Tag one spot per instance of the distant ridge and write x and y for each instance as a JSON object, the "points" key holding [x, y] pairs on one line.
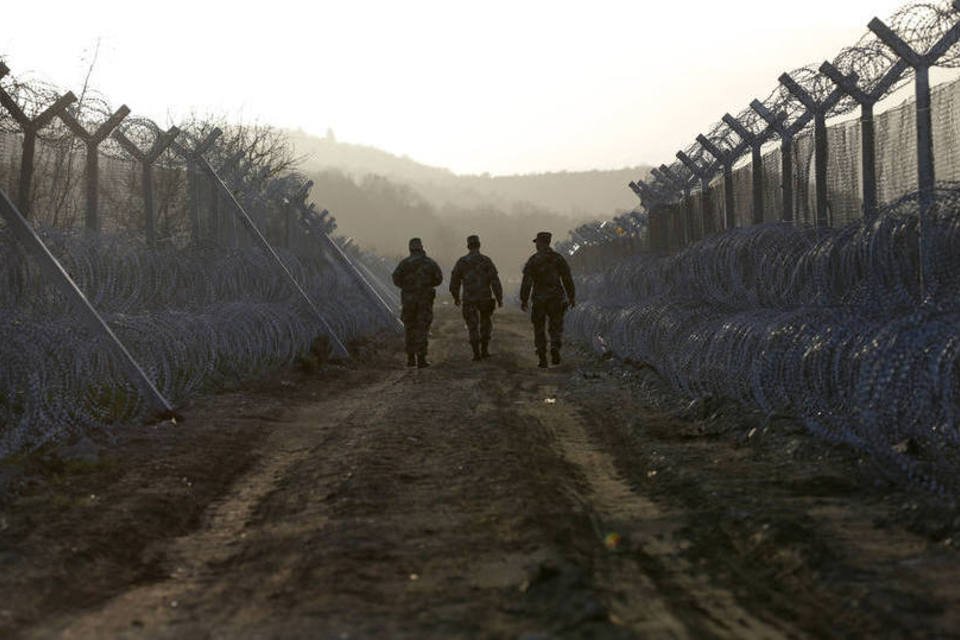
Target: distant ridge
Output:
{"points": [[578, 194]]}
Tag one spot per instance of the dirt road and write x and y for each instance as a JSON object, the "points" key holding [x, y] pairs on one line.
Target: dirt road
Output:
{"points": [[467, 500]]}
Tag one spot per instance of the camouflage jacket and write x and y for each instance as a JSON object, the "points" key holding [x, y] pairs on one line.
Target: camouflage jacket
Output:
{"points": [[477, 275], [548, 275], [417, 275]]}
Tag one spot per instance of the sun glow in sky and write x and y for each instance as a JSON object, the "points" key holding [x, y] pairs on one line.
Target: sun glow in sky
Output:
{"points": [[497, 86]]}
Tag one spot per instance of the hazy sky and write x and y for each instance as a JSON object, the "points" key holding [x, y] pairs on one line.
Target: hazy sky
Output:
{"points": [[494, 86]]}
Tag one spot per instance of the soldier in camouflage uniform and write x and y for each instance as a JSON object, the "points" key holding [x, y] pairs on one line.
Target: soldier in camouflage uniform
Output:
{"points": [[477, 275], [417, 276], [548, 275]]}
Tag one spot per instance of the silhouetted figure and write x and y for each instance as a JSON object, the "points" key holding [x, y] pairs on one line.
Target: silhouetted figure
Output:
{"points": [[477, 275], [417, 275], [548, 275]]}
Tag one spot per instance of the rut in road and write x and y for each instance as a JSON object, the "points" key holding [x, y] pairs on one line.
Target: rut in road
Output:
{"points": [[464, 500]]}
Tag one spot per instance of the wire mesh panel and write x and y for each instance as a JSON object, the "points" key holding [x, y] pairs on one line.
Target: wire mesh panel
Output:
{"points": [[896, 153], [946, 131], [844, 173]]}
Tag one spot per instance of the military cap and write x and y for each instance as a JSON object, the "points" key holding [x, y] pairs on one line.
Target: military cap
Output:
{"points": [[416, 244], [544, 236], [473, 241]]}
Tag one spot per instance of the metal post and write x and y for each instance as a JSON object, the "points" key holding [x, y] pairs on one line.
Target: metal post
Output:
{"points": [[85, 312], [349, 268], [684, 228], [786, 176], [92, 142], [821, 150], [868, 145], [776, 123], [706, 206], [926, 173], [755, 141], [190, 156], [819, 111], [726, 160], [921, 63], [147, 160], [339, 348], [30, 130]]}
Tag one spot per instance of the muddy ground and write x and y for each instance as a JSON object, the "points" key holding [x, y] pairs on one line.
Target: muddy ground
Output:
{"points": [[491, 500]]}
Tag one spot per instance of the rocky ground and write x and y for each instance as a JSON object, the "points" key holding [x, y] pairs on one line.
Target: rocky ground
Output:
{"points": [[491, 500]]}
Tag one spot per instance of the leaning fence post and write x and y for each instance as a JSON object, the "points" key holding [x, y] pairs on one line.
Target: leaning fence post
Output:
{"points": [[28, 238], [310, 220], [30, 128], [92, 143], [339, 348], [147, 160]]}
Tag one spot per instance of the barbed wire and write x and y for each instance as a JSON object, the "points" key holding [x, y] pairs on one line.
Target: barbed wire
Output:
{"points": [[829, 325]]}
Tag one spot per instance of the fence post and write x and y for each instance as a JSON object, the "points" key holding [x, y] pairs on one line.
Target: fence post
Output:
{"points": [[921, 63], [147, 160], [92, 143], [777, 123], [687, 232], [819, 111], [868, 145], [673, 223], [727, 161], [30, 128], [190, 157], [651, 201], [706, 206], [755, 141], [926, 173]]}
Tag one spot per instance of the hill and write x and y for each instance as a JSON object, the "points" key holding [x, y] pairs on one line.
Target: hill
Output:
{"points": [[584, 194]]}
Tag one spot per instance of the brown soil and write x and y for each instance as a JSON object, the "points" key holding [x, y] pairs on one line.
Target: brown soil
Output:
{"points": [[489, 500]]}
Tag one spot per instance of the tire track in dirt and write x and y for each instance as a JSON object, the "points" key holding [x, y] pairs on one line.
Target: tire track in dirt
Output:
{"points": [[194, 558], [655, 592]]}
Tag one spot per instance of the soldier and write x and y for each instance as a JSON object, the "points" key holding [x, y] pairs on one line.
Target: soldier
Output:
{"points": [[548, 274], [417, 275], [478, 276]]}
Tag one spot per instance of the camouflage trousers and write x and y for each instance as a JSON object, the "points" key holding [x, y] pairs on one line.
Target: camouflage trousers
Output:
{"points": [[547, 315], [479, 319], [417, 316]]}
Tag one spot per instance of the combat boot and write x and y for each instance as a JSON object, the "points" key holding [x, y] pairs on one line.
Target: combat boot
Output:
{"points": [[476, 350], [422, 361], [555, 355], [543, 359], [484, 348]]}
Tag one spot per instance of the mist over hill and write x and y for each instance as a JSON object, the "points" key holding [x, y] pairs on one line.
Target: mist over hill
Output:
{"points": [[382, 200], [570, 193]]}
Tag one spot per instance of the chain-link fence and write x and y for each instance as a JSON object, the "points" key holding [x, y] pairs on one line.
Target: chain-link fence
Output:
{"points": [[140, 266], [751, 273]]}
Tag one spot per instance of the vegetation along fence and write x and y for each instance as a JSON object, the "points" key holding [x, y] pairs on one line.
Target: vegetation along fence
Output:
{"points": [[140, 266], [806, 265]]}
